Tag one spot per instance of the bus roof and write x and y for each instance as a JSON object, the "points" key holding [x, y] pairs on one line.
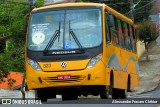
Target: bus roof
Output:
{"points": [[68, 5], [117, 14]]}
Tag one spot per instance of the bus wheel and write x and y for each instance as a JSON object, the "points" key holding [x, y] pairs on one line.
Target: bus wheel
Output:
{"points": [[104, 93], [123, 94], [115, 93], [42, 95], [129, 84], [69, 96]]}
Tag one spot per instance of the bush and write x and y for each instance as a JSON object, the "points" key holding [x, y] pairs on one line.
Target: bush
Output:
{"points": [[12, 59], [147, 31]]}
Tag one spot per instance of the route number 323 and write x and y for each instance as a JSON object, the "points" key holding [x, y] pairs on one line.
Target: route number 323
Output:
{"points": [[46, 65]]}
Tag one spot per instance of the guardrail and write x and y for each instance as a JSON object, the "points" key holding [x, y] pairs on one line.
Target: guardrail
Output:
{"points": [[16, 94]]}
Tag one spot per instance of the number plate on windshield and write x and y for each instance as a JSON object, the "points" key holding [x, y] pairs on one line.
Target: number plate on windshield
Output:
{"points": [[63, 77]]}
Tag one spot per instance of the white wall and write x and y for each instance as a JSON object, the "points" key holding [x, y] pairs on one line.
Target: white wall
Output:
{"points": [[46, 2], [140, 48], [156, 18], [15, 94]]}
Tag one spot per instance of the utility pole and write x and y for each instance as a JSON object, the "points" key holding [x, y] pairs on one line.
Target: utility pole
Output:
{"points": [[30, 4], [132, 9]]}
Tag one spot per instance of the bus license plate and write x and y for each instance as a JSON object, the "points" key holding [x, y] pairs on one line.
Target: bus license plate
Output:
{"points": [[63, 77]]}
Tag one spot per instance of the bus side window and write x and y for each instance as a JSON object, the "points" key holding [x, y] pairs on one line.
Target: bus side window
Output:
{"points": [[121, 33], [112, 26], [133, 39], [108, 30], [127, 37], [116, 28]]}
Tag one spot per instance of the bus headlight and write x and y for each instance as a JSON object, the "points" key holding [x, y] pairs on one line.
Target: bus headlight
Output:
{"points": [[34, 65], [94, 61]]}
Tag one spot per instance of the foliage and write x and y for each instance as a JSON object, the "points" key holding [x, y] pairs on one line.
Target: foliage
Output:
{"points": [[12, 59], [11, 82], [142, 10], [39, 3], [147, 32], [12, 17]]}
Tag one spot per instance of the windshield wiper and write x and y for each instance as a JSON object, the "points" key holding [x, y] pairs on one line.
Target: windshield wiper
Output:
{"points": [[53, 39], [74, 36]]}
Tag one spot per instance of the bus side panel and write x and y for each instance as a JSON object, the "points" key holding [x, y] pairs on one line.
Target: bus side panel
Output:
{"points": [[134, 80], [131, 67], [120, 79], [108, 72], [123, 63]]}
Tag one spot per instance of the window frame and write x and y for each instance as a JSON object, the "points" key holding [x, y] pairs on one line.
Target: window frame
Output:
{"points": [[129, 34], [116, 27], [66, 9], [128, 27], [122, 27], [108, 30]]}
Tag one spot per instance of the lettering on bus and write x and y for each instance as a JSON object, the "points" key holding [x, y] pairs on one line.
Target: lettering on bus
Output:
{"points": [[63, 52], [46, 65], [40, 27]]}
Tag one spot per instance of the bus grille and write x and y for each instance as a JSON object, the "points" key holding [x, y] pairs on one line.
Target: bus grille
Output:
{"points": [[76, 78]]}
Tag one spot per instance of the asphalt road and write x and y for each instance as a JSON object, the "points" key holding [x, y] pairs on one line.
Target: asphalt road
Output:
{"points": [[97, 102]]}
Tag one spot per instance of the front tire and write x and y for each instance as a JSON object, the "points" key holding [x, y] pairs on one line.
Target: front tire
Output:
{"points": [[104, 93], [41, 94]]}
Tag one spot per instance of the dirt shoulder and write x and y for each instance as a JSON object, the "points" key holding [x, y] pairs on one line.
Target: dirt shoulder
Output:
{"points": [[149, 71]]}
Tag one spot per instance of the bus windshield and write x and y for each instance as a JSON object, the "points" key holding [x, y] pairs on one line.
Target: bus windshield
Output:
{"points": [[65, 29]]}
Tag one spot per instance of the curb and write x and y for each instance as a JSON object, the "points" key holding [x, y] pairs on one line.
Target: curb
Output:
{"points": [[143, 92]]}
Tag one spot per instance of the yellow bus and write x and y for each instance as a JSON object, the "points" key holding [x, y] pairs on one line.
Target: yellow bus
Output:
{"points": [[76, 49]]}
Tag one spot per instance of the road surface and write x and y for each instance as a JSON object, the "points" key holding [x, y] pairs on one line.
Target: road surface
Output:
{"points": [[96, 102]]}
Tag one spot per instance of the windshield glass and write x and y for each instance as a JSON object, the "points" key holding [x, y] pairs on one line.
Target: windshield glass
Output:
{"points": [[69, 29]]}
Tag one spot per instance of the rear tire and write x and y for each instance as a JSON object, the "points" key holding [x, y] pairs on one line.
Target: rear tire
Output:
{"points": [[123, 94], [115, 93], [69, 96], [129, 84], [118, 93]]}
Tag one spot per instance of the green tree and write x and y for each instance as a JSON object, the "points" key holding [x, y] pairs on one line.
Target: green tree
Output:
{"points": [[142, 10], [12, 17], [39, 3], [147, 33]]}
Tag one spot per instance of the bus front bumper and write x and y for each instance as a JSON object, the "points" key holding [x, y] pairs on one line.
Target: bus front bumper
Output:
{"points": [[87, 77]]}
